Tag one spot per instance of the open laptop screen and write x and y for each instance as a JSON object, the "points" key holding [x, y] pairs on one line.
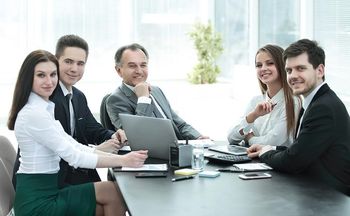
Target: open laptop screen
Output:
{"points": [[147, 133]]}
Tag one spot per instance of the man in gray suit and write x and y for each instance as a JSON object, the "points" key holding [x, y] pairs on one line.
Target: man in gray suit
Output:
{"points": [[136, 96]]}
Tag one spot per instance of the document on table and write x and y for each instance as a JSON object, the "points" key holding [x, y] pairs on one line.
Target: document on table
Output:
{"points": [[253, 166], [205, 142], [145, 167]]}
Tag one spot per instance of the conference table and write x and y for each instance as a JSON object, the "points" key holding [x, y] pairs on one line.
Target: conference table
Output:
{"points": [[283, 194]]}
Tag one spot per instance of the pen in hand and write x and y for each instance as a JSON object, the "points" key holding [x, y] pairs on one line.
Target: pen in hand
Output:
{"points": [[182, 178]]}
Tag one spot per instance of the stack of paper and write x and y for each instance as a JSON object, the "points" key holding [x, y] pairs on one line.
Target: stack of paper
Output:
{"points": [[145, 167]]}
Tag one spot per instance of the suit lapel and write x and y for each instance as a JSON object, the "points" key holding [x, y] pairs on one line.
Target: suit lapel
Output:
{"points": [[325, 88], [158, 97], [61, 108], [161, 102], [62, 100], [128, 93]]}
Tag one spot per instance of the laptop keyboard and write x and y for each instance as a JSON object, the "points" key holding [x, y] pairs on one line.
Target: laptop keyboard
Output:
{"points": [[228, 158]]}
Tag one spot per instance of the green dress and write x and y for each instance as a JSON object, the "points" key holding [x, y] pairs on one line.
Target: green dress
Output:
{"points": [[38, 194]]}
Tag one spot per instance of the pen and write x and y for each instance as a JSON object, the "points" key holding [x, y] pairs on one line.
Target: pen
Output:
{"points": [[182, 178], [230, 170]]}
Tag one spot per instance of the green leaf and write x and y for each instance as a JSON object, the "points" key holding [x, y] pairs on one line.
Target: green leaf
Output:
{"points": [[208, 44]]}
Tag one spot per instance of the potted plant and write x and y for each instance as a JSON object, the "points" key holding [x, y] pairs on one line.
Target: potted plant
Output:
{"points": [[208, 44]]}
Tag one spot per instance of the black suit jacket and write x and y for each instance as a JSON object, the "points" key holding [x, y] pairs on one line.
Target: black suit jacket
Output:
{"points": [[87, 131], [323, 146]]}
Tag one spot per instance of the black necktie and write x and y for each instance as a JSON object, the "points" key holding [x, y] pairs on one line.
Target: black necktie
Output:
{"points": [[68, 98], [298, 123]]}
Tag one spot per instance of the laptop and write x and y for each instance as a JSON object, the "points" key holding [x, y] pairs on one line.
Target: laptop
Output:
{"points": [[230, 149], [147, 133]]}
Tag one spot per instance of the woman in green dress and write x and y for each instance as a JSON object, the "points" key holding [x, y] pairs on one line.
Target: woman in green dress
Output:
{"points": [[43, 143]]}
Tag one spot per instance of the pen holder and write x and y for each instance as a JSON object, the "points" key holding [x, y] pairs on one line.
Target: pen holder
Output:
{"points": [[181, 155]]}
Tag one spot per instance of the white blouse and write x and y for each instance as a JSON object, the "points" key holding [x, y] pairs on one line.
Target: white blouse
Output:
{"points": [[270, 129], [43, 141]]}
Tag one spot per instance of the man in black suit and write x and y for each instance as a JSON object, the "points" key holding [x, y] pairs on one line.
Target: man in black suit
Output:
{"points": [[74, 113], [322, 144]]}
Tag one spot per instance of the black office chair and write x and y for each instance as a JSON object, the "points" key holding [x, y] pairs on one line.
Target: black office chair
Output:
{"points": [[104, 117]]}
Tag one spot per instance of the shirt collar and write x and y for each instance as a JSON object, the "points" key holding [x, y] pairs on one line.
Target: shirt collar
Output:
{"points": [[129, 86], [307, 100], [38, 101], [277, 98], [65, 90]]}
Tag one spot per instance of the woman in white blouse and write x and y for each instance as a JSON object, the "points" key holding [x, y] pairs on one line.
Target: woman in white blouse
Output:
{"points": [[269, 118], [43, 143]]}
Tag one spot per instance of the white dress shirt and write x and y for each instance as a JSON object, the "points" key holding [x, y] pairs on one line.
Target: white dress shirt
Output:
{"points": [[270, 129], [43, 141]]}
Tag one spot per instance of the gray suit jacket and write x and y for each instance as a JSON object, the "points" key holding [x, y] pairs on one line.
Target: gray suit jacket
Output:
{"points": [[124, 100]]}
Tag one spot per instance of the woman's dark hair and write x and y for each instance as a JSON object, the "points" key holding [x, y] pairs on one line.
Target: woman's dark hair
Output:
{"points": [[24, 82], [276, 53]]}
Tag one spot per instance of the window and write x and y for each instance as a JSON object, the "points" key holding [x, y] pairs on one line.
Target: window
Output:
{"points": [[332, 31], [232, 21], [278, 22], [162, 26]]}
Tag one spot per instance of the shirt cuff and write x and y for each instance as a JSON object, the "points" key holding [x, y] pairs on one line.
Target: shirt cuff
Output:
{"points": [[266, 149], [92, 146], [245, 126], [144, 99]]}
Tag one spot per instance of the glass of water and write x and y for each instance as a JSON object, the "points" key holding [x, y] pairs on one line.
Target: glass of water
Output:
{"points": [[198, 157]]}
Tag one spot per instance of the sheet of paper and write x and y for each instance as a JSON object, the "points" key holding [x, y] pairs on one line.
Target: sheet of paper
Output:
{"points": [[205, 142], [253, 166], [148, 167]]}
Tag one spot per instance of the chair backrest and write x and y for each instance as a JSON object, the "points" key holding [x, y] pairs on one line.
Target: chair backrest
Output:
{"points": [[104, 117], [7, 154], [7, 193]]}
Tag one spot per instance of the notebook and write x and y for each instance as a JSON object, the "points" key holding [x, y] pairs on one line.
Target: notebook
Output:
{"points": [[230, 149], [147, 133]]}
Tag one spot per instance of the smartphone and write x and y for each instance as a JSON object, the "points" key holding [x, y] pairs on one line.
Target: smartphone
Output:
{"points": [[150, 174], [248, 176]]}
